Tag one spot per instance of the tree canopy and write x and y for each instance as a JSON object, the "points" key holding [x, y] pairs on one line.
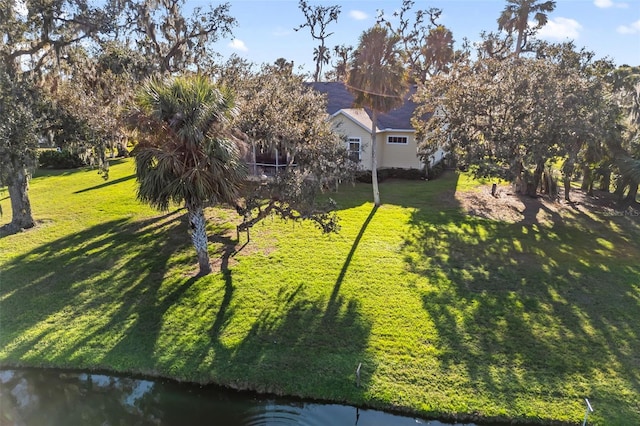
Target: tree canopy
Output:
{"points": [[35, 36], [426, 44], [510, 117], [280, 112], [318, 19], [76, 59], [172, 41]]}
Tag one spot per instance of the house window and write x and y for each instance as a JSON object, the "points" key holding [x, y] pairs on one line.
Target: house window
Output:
{"points": [[400, 140], [353, 146]]}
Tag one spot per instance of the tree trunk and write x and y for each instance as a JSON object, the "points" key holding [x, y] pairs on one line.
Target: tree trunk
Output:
{"points": [[519, 182], [374, 160], [630, 199], [621, 185], [567, 188], [22, 217], [605, 182], [199, 238], [519, 41], [552, 185], [549, 186], [567, 171], [537, 176], [533, 182], [586, 178]]}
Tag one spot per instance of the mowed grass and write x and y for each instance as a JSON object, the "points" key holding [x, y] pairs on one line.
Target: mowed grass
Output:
{"points": [[451, 316]]}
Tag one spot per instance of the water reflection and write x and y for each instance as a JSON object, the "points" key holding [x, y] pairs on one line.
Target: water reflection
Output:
{"points": [[50, 397]]}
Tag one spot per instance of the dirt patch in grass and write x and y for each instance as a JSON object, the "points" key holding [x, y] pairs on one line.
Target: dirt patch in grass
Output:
{"points": [[226, 245], [507, 206]]}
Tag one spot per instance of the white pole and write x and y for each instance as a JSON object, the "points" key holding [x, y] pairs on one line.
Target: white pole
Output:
{"points": [[253, 158], [586, 414]]}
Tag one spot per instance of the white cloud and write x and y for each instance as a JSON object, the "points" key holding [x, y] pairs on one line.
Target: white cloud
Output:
{"points": [[629, 29], [238, 44], [358, 15], [560, 29], [605, 4]]}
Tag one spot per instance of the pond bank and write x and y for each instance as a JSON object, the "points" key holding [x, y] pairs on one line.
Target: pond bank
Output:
{"points": [[62, 397]]}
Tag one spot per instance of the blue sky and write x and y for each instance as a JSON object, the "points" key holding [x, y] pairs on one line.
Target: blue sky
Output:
{"points": [[265, 28]]}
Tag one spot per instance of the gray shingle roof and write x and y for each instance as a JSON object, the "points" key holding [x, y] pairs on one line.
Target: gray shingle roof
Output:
{"points": [[338, 97]]}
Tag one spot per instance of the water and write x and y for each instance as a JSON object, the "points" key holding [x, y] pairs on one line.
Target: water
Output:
{"points": [[51, 397]]}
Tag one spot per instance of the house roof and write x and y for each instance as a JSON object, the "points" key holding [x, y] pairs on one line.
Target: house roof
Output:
{"points": [[358, 115], [339, 98]]}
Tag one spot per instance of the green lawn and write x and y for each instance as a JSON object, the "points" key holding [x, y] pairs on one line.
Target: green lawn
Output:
{"points": [[450, 315]]}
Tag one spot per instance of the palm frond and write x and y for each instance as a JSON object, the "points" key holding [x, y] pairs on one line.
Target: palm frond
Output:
{"points": [[187, 152], [378, 78]]}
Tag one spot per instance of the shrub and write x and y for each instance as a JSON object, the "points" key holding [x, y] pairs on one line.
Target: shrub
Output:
{"points": [[391, 173], [407, 174], [364, 176], [435, 171], [59, 160]]}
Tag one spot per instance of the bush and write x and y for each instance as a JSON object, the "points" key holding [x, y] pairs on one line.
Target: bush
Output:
{"points": [[364, 176], [392, 173], [59, 160], [435, 171], [407, 174]]}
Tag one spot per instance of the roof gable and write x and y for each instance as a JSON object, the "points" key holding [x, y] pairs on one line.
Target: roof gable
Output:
{"points": [[358, 116]]}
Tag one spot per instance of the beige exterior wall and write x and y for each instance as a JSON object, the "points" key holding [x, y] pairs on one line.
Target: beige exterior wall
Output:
{"points": [[389, 155], [404, 156], [349, 129]]}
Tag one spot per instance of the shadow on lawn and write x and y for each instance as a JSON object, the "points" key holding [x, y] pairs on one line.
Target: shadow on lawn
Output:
{"points": [[100, 299], [548, 309], [300, 343], [331, 308], [107, 184], [306, 351], [47, 289]]}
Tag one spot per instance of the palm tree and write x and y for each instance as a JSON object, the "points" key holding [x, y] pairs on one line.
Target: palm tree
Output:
{"points": [[378, 80], [186, 153], [515, 18], [342, 52], [318, 18], [321, 55]]}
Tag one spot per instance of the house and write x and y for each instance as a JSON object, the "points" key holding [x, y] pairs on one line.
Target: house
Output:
{"points": [[396, 142]]}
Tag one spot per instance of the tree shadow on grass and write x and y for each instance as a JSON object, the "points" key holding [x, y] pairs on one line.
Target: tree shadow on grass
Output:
{"points": [[331, 308], [102, 299], [296, 340], [66, 301], [225, 252], [534, 310], [398, 192], [301, 348], [107, 184]]}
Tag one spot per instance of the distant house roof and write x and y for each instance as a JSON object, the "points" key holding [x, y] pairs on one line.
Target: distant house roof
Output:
{"points": [[358, 115], [339, 98]]}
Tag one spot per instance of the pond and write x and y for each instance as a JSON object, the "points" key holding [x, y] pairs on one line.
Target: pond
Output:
{"points": [[41, 397]]}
